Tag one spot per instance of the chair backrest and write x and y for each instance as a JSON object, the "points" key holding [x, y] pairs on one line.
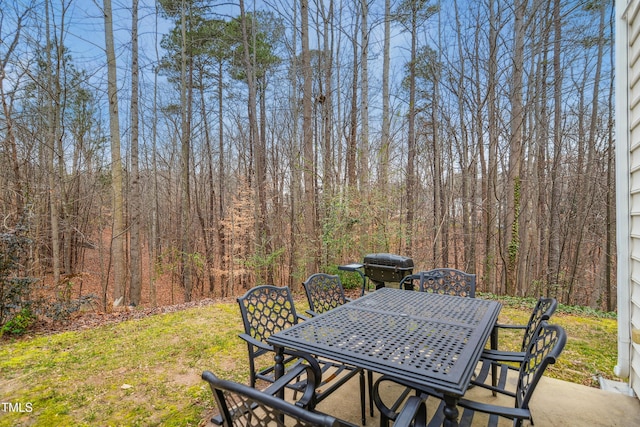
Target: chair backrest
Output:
{"points": [[448, 281], [267, 309], [324, 292], [545, 348], [543, 310], [241, 405]]}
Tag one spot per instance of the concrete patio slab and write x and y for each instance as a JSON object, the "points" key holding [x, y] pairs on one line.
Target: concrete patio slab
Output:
{"points": [[555, 403]]}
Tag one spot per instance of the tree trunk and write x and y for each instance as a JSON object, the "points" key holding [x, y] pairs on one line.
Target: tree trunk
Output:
{"points": [[411, 139], [328, 179], [363, 174], [513, 184], [311, 255], [352, 139], [208, 198], [53, 179], [386, 121], [222, 243], [294, 160], [135, 292], [118, 234], [553, 261], [154, 238], [185, 151], [467, 171], [611, 196], [490, 185], [258, 141]]}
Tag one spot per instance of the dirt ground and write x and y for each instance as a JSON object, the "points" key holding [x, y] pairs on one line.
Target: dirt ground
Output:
{"points": [[169, 295]]}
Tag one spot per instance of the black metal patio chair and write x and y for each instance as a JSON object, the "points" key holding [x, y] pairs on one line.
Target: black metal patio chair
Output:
{"points": [[240, 405], [269, 309], [542, 311], [545, 348], [447, 281], [324, 292]]}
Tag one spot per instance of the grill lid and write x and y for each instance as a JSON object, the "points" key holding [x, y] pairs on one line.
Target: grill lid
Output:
{"points": [[388, 260], [384, 267]]}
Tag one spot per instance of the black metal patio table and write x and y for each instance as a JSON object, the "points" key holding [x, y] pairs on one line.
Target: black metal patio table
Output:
{"points": [[431, 339]]}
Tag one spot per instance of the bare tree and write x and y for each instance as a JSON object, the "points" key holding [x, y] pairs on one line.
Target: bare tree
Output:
{"points": [[411, 13], [518, 86], [118, 233], [511, 249], [53, 85], [186, 278], [135, 201], [364, 98], [154, 232], [386, 121], [326, 99], [490, 186], [311, 255], [352, 138], [553, 260], [11, 43]]}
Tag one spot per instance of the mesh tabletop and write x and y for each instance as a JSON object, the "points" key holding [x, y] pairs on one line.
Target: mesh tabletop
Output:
{"points": [[434, 340]]}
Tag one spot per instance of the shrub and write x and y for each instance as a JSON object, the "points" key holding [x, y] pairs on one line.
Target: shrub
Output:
{"points": [[14, 287], [19, 324]]}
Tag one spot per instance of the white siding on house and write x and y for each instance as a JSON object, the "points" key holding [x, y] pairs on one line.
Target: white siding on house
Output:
{"points": [[629, 141]]}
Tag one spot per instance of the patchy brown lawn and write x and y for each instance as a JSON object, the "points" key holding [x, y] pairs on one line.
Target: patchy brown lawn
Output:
{"points": [[142, 366]]}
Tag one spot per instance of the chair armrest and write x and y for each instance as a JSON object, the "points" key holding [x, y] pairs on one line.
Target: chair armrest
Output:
{"points": [[251, 340], [310, 313], [503, 411], [312, 362], [312, 381], [497, 327], [314, 367], [347, 299], [507, 326], [299, 354], [390, 411], [495, 390], [414, 413], [503, 356], [303, 318]]}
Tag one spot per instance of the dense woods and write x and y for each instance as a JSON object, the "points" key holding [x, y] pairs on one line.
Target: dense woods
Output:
{"points": [[232, 144]]}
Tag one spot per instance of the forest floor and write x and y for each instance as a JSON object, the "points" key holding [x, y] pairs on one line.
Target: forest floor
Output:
{"points": [[167, 295]]}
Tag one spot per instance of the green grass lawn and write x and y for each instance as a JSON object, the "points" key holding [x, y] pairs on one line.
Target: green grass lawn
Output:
{"points": [[147, 372]]}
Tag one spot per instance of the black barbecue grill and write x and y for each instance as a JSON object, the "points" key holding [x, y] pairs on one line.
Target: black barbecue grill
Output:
{"points": [[381, 268]]}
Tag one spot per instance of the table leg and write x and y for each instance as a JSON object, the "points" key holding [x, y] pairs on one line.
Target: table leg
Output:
{"points": [[450, 411], [278, 369]]}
